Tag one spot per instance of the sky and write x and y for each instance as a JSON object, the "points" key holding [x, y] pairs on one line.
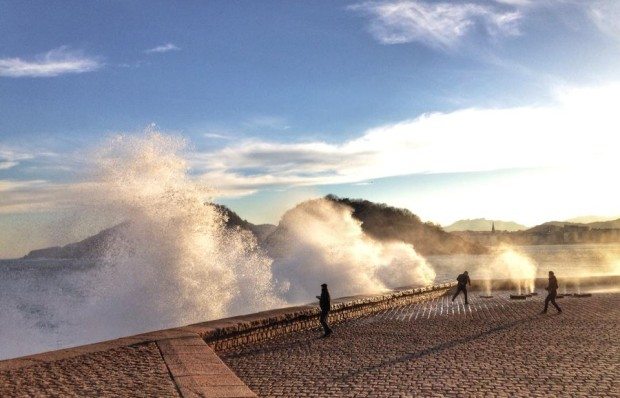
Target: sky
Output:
{"points": [[503, 109]]}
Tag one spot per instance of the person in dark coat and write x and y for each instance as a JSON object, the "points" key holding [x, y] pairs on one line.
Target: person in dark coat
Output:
{"points": [[325, 304], [552, 289], [463, 281]]}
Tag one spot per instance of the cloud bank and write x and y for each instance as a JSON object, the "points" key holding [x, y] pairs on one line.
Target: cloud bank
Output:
{"points": [[605, 15], [439, 25], [445, 25], [576, 131], [580, 125], [56, 62], [164, 48]]}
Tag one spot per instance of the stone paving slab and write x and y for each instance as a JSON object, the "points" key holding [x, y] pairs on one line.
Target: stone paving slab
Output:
{"points": [[202, 386], [492, 348], [137, 371], [182, 357], [171, 367]]}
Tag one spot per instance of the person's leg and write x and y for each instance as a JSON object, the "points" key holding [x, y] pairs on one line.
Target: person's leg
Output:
{"points": [[557, 307], [458, 290], [547, 299], [326, 329], [323, 320], [329, 329], [465, 293]]}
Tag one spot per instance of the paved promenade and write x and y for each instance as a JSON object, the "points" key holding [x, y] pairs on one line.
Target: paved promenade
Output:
{"points": [[492, 348], [168, 363], [137, 371]]}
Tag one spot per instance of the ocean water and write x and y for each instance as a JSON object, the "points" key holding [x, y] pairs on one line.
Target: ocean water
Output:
{"points": [[175, 262], [567, 261], [52, 304]]}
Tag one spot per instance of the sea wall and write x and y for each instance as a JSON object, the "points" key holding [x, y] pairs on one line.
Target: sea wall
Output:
{"points": [[569, 284], [247, 329], [188, 353]]}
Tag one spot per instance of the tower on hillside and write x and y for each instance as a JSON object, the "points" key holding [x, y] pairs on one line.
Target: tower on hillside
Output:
{"points": [[493, 227]]}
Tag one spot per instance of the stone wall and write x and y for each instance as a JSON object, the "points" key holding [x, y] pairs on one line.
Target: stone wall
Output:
{"points": [[247, 329], [191, 365]]}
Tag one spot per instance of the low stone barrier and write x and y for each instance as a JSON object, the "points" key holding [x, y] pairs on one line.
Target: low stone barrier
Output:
{"points": [[237, 331], [194, 367], [565, 283]]}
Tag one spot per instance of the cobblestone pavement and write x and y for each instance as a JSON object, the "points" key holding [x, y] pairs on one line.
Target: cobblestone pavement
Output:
{"points": [[137, 371], [493, 348]]}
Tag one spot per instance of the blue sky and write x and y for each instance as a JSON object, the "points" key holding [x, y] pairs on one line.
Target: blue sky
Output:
{"points": [[429, 105]]}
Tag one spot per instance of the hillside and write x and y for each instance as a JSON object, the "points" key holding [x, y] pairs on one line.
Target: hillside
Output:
{"points": [[96, 245], [261, 231], [91, 247], [551, 233], [384, 222], [379, 221], [590, 219], [482, 224], [611, 224]]}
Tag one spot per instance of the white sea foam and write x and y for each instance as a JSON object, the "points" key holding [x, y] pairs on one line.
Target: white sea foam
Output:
{"points": [[174, 262], [324, 243]]}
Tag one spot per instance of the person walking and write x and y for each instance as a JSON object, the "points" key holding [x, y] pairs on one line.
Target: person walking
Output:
{"points": [[463, 281], [552, 289], [325, 304]]}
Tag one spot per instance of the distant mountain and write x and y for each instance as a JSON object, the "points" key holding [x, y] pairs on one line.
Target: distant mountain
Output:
{"points": [[387, 223], [97, 245], [91, 247], [590, 219], [550, 233], [482, 224], [261, 231], [612, 224]]}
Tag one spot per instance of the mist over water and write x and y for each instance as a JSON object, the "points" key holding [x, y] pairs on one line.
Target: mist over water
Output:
{"points": [[174, 262], [324, 243]]}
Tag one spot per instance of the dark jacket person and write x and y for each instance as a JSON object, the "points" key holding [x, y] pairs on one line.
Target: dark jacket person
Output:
{"points": [[325, 304], [463, 280], [552, 289]]}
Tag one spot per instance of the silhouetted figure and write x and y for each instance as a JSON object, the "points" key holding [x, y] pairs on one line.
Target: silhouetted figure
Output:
{"points": [[325, 304], [552, 288], [463, 281]]}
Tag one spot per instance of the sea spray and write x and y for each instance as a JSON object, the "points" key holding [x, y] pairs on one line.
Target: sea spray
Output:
{"points": [[509, 263], [320, 241], [175, 258], [487, 281], [173, 262]]}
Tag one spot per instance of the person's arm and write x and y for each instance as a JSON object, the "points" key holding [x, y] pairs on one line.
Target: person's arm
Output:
{"points": [[468, 280]]}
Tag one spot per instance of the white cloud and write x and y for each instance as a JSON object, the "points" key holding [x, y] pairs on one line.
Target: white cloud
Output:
{"points": [[437, 25], [164, 48], [27, 196], [606, 17], [516, 2], [578, 128], [577, 132], [4, 164], [216, 136], [58, 61], [10, 157], [267, 122]]}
